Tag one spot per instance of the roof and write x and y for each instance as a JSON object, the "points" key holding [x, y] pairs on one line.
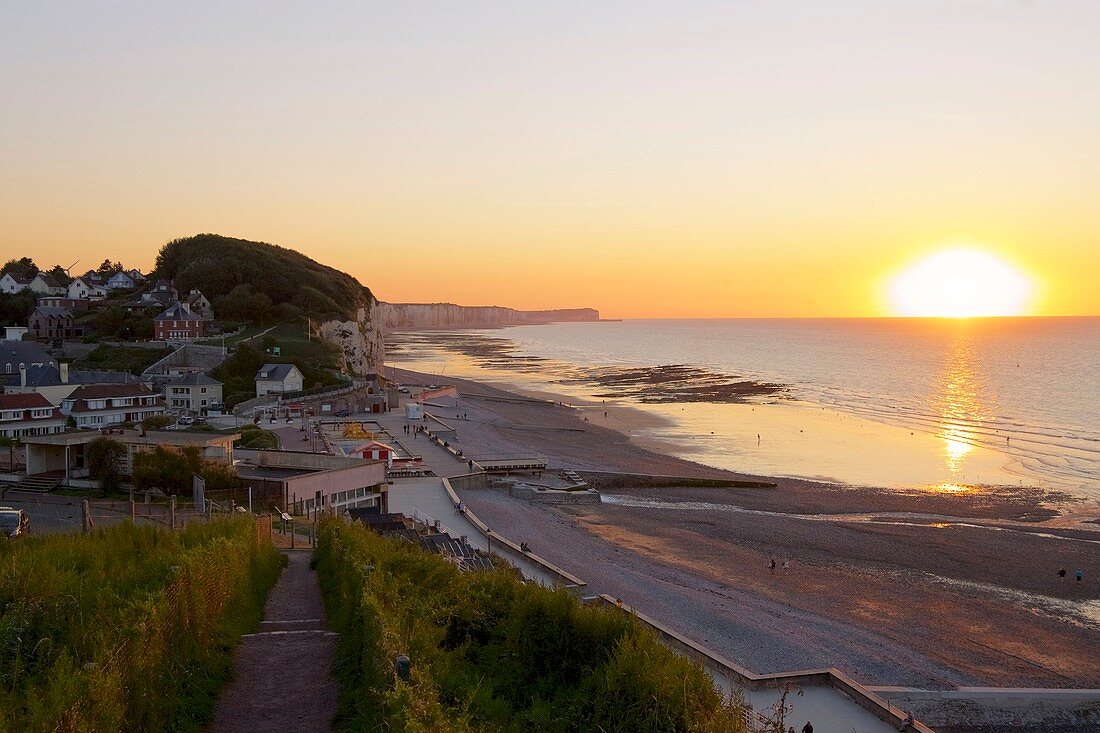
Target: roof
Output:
{"points": [[22, 352], [24, 401], [105, 391], [274, 372], [48, 279], [194, 379], [51, 311], [18, 278], [178, 312], [371, 445]]}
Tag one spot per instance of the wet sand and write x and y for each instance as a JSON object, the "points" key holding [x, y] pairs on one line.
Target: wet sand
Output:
{"points": [[931, 589]]}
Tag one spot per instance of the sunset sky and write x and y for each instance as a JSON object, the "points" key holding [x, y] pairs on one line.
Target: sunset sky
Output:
{"points": [[674, 159]]}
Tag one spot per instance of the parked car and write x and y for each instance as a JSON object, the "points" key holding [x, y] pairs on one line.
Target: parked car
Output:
{"points": [[186, 420], [343, 413], [13, 522]]}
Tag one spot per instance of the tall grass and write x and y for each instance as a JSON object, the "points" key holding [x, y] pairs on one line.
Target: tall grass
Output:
{"points": [[490, 653], [126, 629]]}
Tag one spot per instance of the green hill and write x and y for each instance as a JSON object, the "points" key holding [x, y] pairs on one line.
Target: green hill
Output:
{"points": [[253, 281]]}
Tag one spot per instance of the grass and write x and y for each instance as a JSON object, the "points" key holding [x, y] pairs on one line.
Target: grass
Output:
{"points": [[490, 653], [128, 628], [132, 359]]}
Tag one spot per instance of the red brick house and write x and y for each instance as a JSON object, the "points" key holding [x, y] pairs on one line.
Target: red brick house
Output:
{"points": [[178, 323]]}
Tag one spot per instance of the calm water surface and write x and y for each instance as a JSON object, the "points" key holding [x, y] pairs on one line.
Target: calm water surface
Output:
{"points": [[908, 402]]}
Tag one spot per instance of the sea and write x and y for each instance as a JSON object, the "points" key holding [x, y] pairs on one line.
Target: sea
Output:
{"points": [[924, 404]]}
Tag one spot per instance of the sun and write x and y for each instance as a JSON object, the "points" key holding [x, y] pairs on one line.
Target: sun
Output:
{"points": [[961, 283]]}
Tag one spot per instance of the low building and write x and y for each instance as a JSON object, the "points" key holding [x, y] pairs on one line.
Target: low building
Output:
{"points": [[178, 323], [278, 379], [63, 301], [55, 383], [63, 454], [11, 283], [373, 451], [51, 322], [98, 406], [83, 289], [120, 281], [44, 284], [193, 393], [27, 415], [302, 482]]}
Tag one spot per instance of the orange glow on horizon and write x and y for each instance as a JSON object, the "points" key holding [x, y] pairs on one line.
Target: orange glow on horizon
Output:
{"points": [[961, 283]]}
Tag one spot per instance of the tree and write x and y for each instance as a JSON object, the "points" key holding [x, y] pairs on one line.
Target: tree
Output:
{"points": [[242, 304], [108, 268], [16, 308], [57, 272], [104, 455], [22, 267], [168, 469], [156, 422], [220, 476]]}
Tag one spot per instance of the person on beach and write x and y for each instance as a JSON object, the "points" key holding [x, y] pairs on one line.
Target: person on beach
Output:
{"points": [[523, 547], [907, 723], [808, 728], [1062, 573], [771, 564], [786, 566], [470, 464], [1079, 574]]}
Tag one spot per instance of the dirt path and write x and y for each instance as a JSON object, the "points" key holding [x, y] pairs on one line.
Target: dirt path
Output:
{"points": [[281, 676]]}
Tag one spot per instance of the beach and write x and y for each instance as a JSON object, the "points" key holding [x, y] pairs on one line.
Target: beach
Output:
{"points": [[895, 587]]}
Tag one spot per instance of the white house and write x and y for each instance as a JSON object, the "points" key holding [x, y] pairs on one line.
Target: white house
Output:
{"points": [[44, 284], [278, 378], [193, 392], [120, 281], [96, 406], [28, 414], [81, 289], [11, 283]]}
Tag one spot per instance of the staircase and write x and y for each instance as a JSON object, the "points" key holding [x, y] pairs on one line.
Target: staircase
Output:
{"points": [[36, 484]]}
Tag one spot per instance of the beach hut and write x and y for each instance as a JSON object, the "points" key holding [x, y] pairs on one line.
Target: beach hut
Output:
{"points": [[373, 451]]}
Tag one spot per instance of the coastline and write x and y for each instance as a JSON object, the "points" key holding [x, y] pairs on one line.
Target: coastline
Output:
{"points": [[886, 584]]}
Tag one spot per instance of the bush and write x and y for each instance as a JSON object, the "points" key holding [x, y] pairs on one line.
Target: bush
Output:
{"points": [[128, 628], [492, 653], [104, 456]]}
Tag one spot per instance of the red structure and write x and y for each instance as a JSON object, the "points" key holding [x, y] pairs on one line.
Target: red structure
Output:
{"points": [[178, 323]]}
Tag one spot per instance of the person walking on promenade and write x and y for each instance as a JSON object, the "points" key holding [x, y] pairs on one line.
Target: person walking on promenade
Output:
{"points": [[808, 728], [1079, 574]]}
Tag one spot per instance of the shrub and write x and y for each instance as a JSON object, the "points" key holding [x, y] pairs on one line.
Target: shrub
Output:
{"points": [[128, 628], [104, 455], [492, 653]]}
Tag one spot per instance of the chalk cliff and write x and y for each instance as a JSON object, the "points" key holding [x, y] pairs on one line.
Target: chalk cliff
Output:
{"points": [[360, 339], [448, 315]]}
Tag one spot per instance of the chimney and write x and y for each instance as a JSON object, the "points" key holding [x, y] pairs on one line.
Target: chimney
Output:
{"points": [[64, 367], [23, 375]]}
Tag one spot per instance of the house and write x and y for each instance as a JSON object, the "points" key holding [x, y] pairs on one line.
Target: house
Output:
{"points": [[136, 276], [163, 292], [120, 281], [92, 277], [193, 393], [198, 303], [178, 323], [55, 383], [11, 283], [28, 414], [63, 301], [44, 284], [17, 356], [50, 322], [84, 289], [278, 378], [97, 406]]}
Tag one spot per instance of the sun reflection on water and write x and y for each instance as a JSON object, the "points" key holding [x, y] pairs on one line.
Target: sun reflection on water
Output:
{"points": [[958, 402]]}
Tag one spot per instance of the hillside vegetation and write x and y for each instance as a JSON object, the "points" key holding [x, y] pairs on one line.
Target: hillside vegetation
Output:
{"points": [[253, 281], [490, 653], [128, 628]]}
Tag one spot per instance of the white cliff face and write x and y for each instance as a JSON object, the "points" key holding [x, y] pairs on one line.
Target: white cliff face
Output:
{"points": [[359, 340], [448, 315]]}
